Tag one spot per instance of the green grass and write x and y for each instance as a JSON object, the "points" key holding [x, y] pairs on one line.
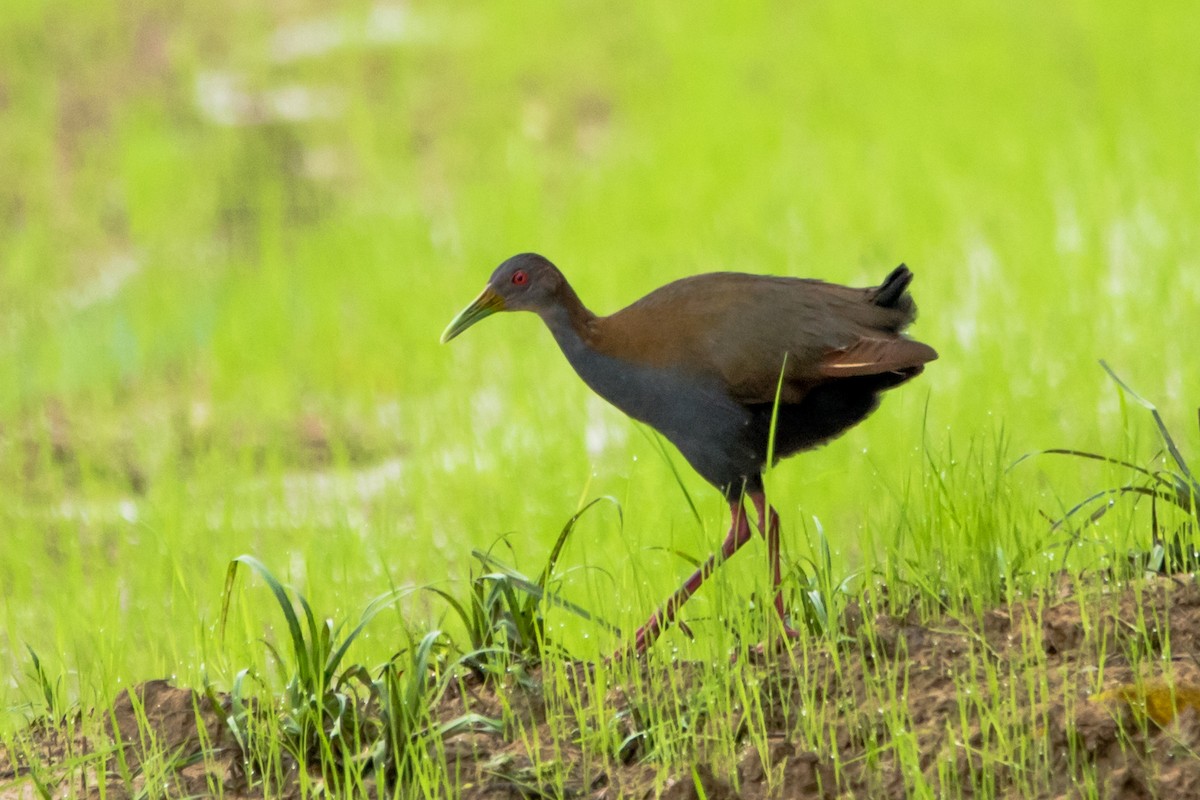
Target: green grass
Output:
{"points": [[220, 340]]}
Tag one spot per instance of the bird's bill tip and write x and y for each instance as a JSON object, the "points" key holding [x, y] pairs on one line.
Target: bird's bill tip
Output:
{"points": [[488, 303]]}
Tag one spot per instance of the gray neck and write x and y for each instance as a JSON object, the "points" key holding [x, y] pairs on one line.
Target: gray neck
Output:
{"points": [[673, 402], [628, 385], [568, 322]]}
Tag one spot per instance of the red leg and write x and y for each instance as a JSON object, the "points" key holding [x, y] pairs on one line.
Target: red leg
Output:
{"points": [[768, 525], [739, 534]]}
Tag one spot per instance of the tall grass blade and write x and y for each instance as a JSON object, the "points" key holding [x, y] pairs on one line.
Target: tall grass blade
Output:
{"points": [[1162, 429], [1062, 451], [468, 619], [303, 665], [556, 550], [654, 437], [1119, 490], [775, 414], [49, 694], [373, 608], [535, 590], [685, 557]]}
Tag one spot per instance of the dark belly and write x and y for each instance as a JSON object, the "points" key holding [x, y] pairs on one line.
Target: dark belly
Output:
{"points": [[724, 441]]}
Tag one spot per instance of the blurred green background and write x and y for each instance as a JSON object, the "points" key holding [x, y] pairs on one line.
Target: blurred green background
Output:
{"points": [[230, 235]]}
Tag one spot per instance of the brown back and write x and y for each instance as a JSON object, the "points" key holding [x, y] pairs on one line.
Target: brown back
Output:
{"points": [[738, 329]]}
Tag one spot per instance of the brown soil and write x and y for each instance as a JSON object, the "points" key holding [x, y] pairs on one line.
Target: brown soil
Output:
{"points": [[1043, 659]]}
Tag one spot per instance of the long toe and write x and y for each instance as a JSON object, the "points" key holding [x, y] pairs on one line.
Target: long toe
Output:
{"points": [[638, 648], [774, 645]]}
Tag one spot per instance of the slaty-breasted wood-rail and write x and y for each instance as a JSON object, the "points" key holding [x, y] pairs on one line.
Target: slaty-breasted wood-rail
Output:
{"points": [[702, 360]]}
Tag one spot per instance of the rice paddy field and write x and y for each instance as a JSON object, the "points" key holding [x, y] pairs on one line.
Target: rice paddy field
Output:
{"points": [[231, 235]]}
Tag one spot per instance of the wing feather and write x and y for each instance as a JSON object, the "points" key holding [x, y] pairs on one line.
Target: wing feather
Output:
{"points": [[872, 356]]}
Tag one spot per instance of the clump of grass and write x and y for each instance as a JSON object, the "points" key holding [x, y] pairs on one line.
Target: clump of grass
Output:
{"points": [[355, 722], [55, 708], [504, 612], [818, 594], [403, 696], [350, 720], [1174, 484], [316, 698]]}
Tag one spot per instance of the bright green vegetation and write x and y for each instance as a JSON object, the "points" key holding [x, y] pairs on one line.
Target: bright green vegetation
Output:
{"points": [[226, 254]]}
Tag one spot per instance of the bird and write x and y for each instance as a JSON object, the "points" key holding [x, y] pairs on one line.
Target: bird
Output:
{"points": [[716, 362]]}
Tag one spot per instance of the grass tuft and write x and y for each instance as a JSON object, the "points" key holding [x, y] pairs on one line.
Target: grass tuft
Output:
{"points": [[1174, 484]]}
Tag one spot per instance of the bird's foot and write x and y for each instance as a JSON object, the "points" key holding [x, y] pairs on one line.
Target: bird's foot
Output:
{"points": [[644, 637], [774, 645]]}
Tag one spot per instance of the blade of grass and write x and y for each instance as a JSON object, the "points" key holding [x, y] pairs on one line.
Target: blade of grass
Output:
{"points": [[1120, 490], [556, 550], [372, 610], [654, 437], [1162, 428], [775, 414], [281, 596], [1060, 451], [533, 589]]}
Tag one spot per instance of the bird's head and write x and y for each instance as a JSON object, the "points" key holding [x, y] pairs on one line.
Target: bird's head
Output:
{"points": [[525, 282]]}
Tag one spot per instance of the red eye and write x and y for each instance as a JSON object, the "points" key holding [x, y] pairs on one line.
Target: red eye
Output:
{"points": [[520, 277]]}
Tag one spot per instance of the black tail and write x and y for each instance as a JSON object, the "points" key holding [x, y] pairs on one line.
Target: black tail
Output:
{"points": [[891, 291]]}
